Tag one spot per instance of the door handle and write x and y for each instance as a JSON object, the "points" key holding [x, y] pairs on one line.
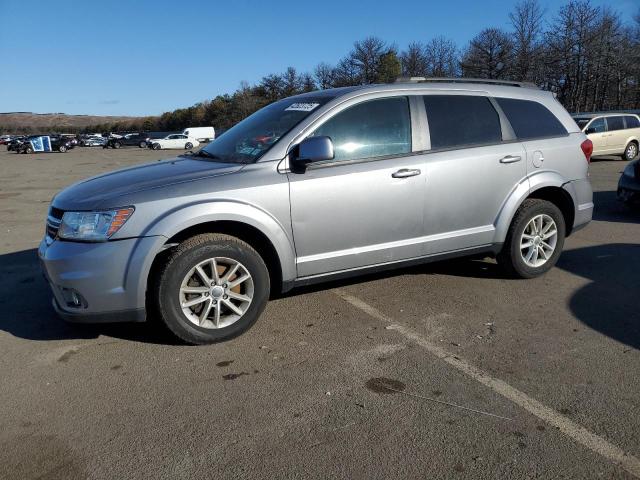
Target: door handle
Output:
{"points": [[510, 159], [406, 173]]}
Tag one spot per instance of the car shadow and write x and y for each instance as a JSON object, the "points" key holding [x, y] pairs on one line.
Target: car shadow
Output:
{"points": [[25, 303]]}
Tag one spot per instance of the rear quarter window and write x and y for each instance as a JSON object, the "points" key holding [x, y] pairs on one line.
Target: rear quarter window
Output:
{"points": [[632, 122], [531, 120]]}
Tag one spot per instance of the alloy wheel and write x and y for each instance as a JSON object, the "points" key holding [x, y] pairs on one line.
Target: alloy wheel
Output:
{"points": [[216, 292], [538, 240]]}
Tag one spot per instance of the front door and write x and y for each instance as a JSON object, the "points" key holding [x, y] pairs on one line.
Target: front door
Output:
{"points": [[365, 207]]}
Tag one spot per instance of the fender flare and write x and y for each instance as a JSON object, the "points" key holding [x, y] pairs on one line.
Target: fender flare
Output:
{"points": [[186, 216], [523, 191]]}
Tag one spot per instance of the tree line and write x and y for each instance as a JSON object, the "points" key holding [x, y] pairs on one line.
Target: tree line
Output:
{"points": [[589, 56]]}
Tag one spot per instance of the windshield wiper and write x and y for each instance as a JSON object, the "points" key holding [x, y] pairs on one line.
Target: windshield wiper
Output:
{"points": [[202, 153]]}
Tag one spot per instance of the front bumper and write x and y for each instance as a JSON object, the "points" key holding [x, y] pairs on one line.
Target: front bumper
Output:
{"points": [[106, 277]]}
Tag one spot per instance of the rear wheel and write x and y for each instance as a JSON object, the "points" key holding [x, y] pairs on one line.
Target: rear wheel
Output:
{"points": [[631, 151], [535, 239], [28, 150], [62, 149], [212, 287], [143, 145], [116, 145], [188, 146], [156, 146]]}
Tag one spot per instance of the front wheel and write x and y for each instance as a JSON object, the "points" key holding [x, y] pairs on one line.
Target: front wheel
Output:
{"points": [[143, 145], [213, 287], [116, 144], [631, 151], [534, 241], [28, 150], [156, 146], [62, 149], [188, 146]]}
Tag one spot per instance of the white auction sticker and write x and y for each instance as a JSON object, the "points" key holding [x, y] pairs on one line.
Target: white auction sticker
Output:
{"points": [[302, 107]]}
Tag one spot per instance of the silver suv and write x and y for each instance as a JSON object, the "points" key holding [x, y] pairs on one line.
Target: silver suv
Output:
{"points": [[320, 186]]}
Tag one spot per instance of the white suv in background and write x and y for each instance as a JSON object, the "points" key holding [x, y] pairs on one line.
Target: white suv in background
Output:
{"points": [[612, 133]]}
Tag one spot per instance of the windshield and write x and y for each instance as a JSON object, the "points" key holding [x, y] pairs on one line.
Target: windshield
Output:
{"points": [[247, 141], [582, 122]]}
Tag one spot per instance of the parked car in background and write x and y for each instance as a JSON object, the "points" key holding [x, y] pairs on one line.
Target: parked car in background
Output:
{"points": [[128, 140], [351, 180], [4, 139], [612, 133], [203, 134], [14, 142], [45, 143], [629, 184], [177, 141], [93, 141]]}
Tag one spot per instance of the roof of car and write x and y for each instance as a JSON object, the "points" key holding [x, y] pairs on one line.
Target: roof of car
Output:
{"points": [[494, 89]]}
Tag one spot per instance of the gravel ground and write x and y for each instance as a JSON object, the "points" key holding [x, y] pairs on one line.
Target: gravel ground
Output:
{"points": [[556, 359]]}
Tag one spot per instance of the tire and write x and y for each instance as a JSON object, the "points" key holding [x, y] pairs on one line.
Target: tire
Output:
{"points": [[513, 257], [188, 146], [166, 292], [156, 146], [116, 145], [28, 150], [630, 151], [62, 149], [143, 145]]}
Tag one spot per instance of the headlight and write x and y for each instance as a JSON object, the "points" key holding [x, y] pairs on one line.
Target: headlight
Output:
{"points": [[93, 226], [630, 170]]}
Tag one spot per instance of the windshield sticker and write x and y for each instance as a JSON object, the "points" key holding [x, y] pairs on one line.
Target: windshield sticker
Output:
{"points": [[302, 107]]}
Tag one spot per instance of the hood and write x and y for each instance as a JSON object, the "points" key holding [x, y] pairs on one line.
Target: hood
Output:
{"points": [[107, 190]]}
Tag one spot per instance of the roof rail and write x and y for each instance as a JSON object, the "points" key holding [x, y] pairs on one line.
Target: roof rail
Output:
{"points": [[466, 80]]}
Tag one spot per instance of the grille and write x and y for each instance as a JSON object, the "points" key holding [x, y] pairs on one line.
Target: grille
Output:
{"points": [[53, 222]]}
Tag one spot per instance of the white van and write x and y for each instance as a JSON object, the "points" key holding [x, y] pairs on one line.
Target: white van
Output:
{"points": [[202, 134], [612, 133]]}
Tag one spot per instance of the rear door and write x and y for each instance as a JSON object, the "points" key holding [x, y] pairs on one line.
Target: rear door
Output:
{"points": [[471, 169], [616, 135]]}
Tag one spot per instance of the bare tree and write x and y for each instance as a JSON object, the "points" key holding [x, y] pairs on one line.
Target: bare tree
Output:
{"points": [[527, 22], [414, 60], [324, 75], [365, 58], [489, 55], [442, 58]]}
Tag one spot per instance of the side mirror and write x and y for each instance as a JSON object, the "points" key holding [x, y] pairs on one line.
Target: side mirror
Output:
{"points": [[312, 149]]}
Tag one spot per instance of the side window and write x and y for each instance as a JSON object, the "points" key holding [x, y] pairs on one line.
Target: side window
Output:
{"points": [[530, 119], [459, 120], [374, 128], [615, 123], [597, 126], [632, 122]]}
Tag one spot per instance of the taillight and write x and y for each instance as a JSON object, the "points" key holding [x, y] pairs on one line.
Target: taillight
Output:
{"points": [[587, 149]]}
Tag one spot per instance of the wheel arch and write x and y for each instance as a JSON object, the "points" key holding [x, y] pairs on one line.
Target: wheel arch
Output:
{"points": [[548, 186], [260, 230]]}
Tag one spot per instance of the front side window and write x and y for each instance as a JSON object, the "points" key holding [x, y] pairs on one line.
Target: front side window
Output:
{"points": [[375, 128], [632, 122], [597, 126], [615, 123], [461, 120], [530, 119]]}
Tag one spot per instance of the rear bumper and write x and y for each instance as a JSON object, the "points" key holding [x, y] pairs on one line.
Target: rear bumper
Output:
{"points": [[582, 195]]}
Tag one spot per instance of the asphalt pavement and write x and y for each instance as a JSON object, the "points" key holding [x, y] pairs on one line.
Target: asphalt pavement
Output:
{"points": [[448, 370]]}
